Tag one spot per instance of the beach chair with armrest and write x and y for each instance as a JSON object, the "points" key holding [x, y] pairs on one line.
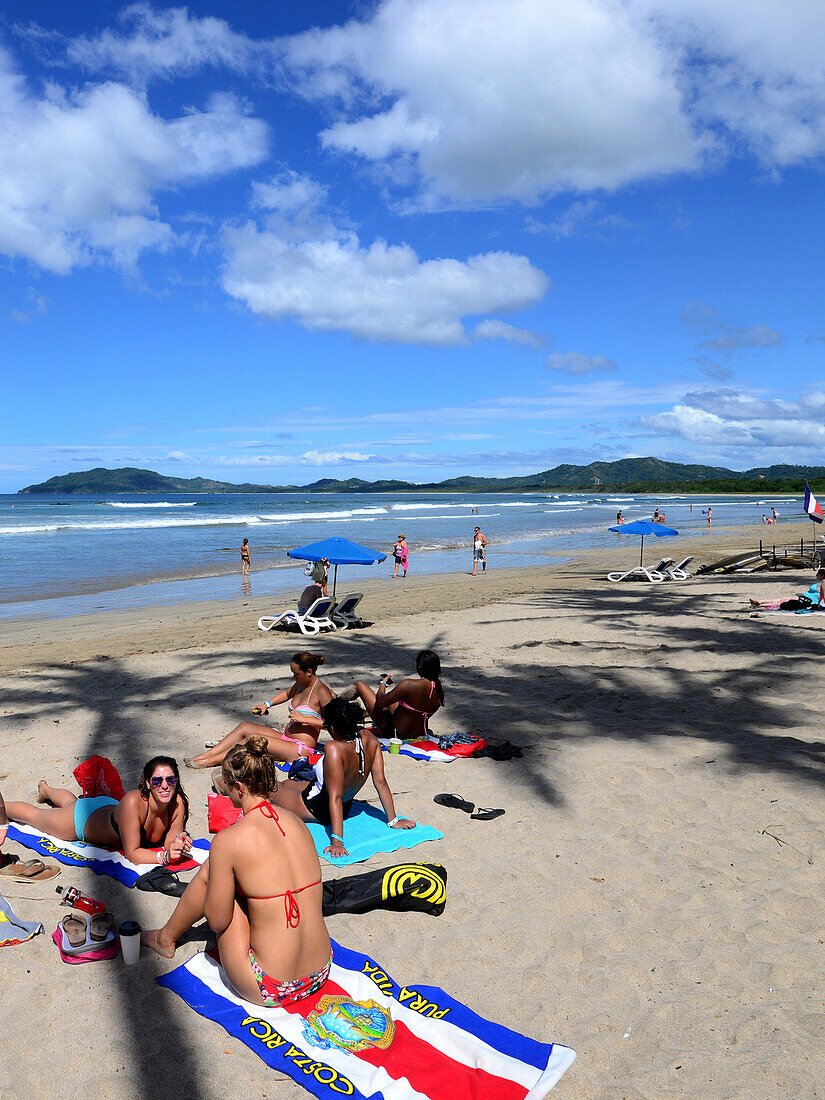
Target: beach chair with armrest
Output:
{"points": [[642, 573], [679, 572], [344, 614], [317, 617]]}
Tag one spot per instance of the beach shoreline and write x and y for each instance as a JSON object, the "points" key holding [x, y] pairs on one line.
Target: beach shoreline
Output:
{"points": [[115, 633]]}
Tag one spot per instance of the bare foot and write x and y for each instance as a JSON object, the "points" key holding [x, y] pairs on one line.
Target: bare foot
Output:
{"points": [[194, 762], [152, 940], [40, 796]]}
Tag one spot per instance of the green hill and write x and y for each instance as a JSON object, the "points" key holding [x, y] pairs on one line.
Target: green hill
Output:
{"points": [[635, 475]]}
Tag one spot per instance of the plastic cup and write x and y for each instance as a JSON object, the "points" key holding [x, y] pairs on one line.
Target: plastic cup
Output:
{"points": [[129, 933], [395, 745]]}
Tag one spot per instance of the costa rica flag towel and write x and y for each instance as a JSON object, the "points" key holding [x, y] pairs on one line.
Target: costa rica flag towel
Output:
{"points": [[812, 505], [102, 861], [364, 1035]]}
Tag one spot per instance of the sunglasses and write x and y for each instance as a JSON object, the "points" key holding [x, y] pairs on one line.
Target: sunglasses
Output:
{"points": [[159, 780]]}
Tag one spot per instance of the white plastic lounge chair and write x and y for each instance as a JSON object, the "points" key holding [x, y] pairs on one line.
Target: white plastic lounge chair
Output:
{"points": [[317, 617], [344, 614], [679, 572], [642, 573]]}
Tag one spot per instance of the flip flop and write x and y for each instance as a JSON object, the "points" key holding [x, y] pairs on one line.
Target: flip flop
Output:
{"points": [[34, 870], [74, 928], [162, 880], [454, 802], [102, 927], [482, 813], [211, 744]]}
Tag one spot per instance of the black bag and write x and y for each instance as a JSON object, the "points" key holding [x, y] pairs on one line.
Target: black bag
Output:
{"points": [[798, 603], [407, 887]]}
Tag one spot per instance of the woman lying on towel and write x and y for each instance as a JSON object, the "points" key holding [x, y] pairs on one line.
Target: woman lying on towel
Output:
{"points": [[304, 700], [350, 759], [812, 600], [403, 710], [153, 816], [260, 890]]}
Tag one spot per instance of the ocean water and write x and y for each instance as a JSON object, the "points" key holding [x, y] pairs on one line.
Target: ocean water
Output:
{"points": [[62, 555]]}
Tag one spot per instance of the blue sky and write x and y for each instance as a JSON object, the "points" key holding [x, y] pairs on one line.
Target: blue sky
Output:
{"points": [[413, 238]]}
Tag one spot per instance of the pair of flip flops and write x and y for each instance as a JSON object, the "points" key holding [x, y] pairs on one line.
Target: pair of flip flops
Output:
{"points": [[477, 813], [33, 870], [80, 934]]}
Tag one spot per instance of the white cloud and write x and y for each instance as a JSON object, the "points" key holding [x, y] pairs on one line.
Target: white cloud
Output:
{"points": [[581, 217], [79, 170], [308, 458], [490, 100], [733, 419], [381, 292], [165, 44], [500, 330], [495, 100], [760, 70], [577, 363]]}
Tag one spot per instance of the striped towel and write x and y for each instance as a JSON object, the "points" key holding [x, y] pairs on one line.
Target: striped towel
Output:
{"points": [[100, 860], [364, 1035]]}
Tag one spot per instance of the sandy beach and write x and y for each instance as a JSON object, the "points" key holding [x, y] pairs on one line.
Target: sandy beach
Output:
{"points": [[649, 897]]}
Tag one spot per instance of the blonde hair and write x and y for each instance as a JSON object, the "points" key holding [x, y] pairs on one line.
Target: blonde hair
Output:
{"points": [[250, 763]]}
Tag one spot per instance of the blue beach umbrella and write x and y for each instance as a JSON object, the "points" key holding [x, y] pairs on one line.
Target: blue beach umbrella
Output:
{"points": [[337, 551], [644, 527]]}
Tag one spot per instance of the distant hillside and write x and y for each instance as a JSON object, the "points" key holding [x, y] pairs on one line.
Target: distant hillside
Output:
{"points": [[128, 479], [635, 475]]}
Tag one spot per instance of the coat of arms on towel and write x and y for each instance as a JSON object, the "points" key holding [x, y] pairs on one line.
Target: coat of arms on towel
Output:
{"points": [[349, 1025]]}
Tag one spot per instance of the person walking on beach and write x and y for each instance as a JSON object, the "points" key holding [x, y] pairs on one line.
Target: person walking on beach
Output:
{"points": [[479, 552], [773, 514], [245, 558], [399, 553]]}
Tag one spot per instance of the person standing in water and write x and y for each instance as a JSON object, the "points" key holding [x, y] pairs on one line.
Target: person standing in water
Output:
{"points": [[479, 552], [245, 558], [619, 518], [710, 516]]}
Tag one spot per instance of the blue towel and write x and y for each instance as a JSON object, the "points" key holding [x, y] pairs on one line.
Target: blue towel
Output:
{"points": [[366, 832]]}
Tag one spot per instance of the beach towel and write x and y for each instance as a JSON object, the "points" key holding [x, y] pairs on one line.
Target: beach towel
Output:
{"points": [[364, 1035], [12, 929], [366, 833], [100, 860], [420, 750]]}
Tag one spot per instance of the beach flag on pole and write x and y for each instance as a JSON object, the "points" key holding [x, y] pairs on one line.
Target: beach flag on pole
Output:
{"points": [[812, 505]]}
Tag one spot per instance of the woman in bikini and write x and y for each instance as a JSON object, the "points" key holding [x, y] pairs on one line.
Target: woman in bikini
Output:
{"points": [[152, 817], [403, 710], [304, 700], [352, 757], [260, 890]]}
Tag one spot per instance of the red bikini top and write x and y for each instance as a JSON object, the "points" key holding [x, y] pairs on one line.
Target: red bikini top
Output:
{"points": [[291, 910]]}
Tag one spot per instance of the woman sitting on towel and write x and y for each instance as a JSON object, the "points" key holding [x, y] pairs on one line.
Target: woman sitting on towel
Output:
{"points": [[260, 890], [403, 710], [348, 761], [305, 700], [812, 600], [153, 816]]}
